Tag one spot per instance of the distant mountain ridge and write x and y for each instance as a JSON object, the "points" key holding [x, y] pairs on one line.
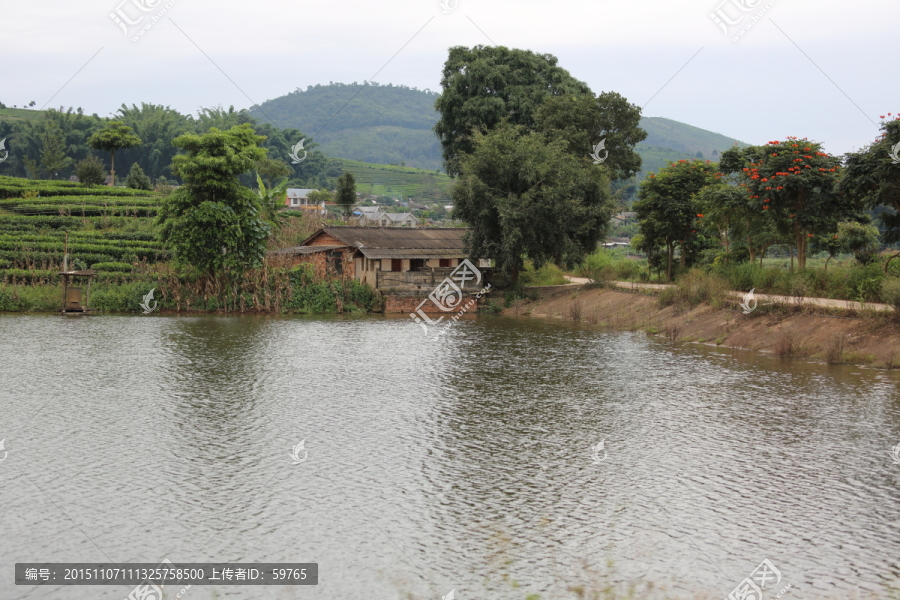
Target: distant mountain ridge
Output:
{"points": [[388, 124]]}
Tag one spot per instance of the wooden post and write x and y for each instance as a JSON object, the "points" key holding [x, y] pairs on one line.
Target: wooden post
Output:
{"points": [[65, 290]]}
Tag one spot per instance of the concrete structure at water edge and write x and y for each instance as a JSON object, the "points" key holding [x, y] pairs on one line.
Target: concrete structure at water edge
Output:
{"points": [[406, 265]]}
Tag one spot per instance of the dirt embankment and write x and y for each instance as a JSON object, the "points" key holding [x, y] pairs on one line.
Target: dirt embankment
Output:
{"points": [[831, 335]]}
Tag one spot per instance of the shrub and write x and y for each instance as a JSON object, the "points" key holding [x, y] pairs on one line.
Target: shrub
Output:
{"points": [[90, 171], [310, 296], [890, 291], [112, 266], [136, 179], [549, 274], [124, 297]]}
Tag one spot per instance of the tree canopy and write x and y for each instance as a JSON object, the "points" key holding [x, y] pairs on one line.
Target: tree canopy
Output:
{"points": [[872, 177], [583, 121], [485, 85], [525, 196], [669, 215], [345, 193], [114, 136], [213, 222], [793, 182]]}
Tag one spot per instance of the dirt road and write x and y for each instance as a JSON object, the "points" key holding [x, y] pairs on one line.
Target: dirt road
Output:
{"points": [[760, 298]]}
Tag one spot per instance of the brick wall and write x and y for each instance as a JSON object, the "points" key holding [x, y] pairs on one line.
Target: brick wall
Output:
{"points": [[408, 304], [323, 239], [321, 266]]}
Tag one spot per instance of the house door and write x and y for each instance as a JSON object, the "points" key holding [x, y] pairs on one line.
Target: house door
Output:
{"points": [[396, 264], [416, 263]]}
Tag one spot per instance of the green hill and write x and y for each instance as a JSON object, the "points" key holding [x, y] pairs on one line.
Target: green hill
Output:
{"points": [[365, 122], [392, 124], [19, 114], [669, 140]]}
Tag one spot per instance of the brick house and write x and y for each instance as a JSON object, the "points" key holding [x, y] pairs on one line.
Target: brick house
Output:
{"points": [[399, 262]]}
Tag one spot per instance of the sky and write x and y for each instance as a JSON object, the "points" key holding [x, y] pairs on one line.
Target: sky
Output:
{"points": [[819, 69]]}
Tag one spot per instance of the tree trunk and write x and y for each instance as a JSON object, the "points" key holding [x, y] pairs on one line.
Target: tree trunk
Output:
{"points": [[888, 261], [801, 248], [791, 250], [826, 262], [670, 253], [751, 249], [112, 169]]}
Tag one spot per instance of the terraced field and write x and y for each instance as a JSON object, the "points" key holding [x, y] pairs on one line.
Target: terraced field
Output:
{"points": [[108, 228], [391, 180]]}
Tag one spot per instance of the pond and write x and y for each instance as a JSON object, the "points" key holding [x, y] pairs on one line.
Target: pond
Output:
{"points": [[508, 458]]}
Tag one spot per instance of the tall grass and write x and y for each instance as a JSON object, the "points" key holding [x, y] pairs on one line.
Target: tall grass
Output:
{"points": [[604, 266], [549, 274], [694, 288], [269, 289], [851, 281]]}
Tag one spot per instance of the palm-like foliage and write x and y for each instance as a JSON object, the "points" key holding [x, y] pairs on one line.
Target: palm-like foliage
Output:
{"points": [[272, 201]]}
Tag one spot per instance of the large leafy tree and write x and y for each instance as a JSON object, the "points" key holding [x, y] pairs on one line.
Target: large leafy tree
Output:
{"points": [[114, 137], [53, 150], [667, 210], [793, 184], [485, 85], [345, 194], [526, 197], [584, 121], [872, 177], [213, 222]]}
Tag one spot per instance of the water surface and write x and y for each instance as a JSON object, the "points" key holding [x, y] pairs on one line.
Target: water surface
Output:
{"points": [[435, 464]]}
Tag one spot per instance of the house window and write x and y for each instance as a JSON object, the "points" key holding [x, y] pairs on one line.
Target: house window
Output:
{"points": [[396, 264], [293, 202], [336, 261], [445, 262], [416, 263]]}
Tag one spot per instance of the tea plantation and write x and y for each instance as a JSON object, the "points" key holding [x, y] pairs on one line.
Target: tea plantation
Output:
{"points": [[109, 228]]}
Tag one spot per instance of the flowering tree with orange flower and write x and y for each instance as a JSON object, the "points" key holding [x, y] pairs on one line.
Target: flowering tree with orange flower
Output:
{"points": [[666, 209], [792, 182]]}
